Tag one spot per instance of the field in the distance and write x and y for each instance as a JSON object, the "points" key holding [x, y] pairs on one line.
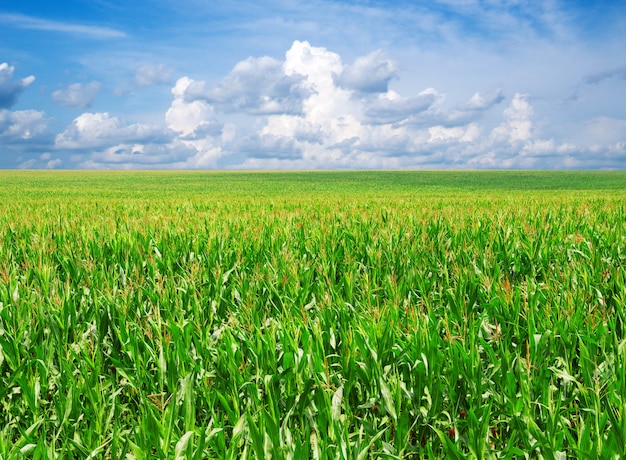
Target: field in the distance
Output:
{"points": [[312, 314]]}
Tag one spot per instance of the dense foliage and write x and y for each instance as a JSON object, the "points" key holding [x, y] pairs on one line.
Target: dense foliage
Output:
{"points": [[312, 315]]}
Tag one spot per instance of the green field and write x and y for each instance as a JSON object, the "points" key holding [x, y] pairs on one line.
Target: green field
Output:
{"points": [[312, 315]]}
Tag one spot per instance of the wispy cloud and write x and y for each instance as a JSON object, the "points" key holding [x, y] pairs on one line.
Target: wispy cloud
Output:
{"points": [[87, 31], [148, 75], [595, 78], [77, 94]]}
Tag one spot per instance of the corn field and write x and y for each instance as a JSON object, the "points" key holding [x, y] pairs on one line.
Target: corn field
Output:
{"points": [[347, 315]]}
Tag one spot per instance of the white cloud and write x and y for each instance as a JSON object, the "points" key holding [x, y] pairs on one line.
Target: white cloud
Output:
{"points": [[23, 127], [173, 155], [189, 139], [257, 86], [546, 148], [342, 125], [518, 126], [97, 130], [190, 118], [441, 134], [195, 126], [327, 106], [310, 110], [329, 115], [77, 94], [480, 101], [11, 91], [368, 74], [390, 107]]}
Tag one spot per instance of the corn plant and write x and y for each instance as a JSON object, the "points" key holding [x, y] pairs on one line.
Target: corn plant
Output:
{"points": [[312, 315]]}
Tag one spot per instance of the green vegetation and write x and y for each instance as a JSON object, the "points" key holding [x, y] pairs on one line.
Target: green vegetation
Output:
{"points": [[312, 315]]}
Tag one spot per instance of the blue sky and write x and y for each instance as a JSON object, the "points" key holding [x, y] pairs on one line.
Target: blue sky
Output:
{"points": [[289, 84]]}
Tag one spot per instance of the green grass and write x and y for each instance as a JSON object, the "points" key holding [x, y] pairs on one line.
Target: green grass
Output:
{"points": [[312, 315], [285, 185]]}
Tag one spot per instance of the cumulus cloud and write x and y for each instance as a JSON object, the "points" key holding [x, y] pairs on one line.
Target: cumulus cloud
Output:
{"points": [[11, 91], [518, 126], [390, 107], [311, 110], [96, 130], [196, 127], [175, 154], [136, 156], [354, 123], [368, 74], [190, 138], [257, 86], [326, 104], [77, 94], [343, 125], [190, 118], [329, 114], [23, 127], [149, 75]]}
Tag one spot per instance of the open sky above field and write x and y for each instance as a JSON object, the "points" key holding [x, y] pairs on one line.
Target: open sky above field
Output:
{"points": [[325, 84]]}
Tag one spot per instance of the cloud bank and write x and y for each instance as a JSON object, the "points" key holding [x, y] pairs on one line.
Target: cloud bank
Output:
{"points": [[312, 110]]}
